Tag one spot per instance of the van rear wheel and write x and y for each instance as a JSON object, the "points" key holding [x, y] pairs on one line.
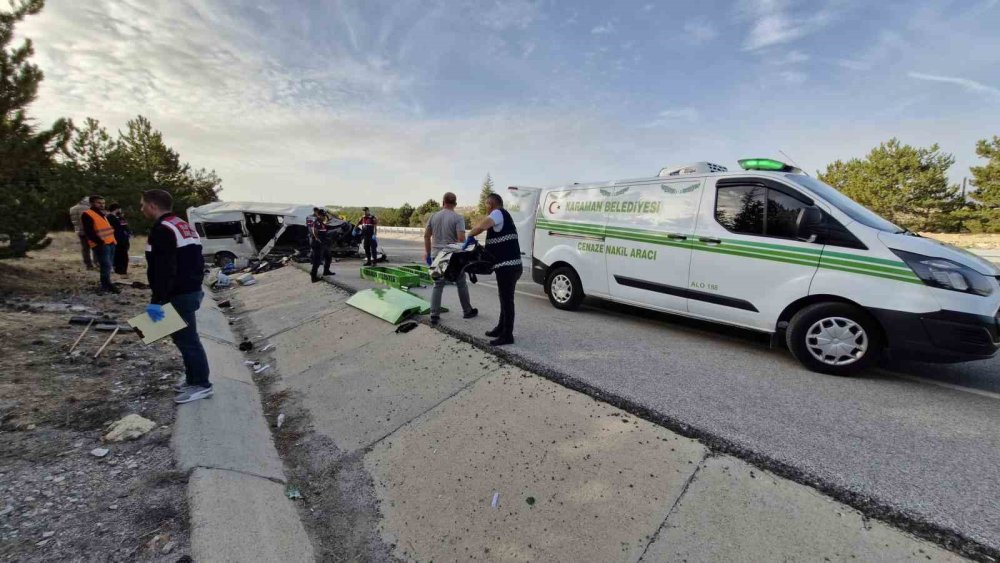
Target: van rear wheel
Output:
{"points": [[564, 289], [834, 338]]}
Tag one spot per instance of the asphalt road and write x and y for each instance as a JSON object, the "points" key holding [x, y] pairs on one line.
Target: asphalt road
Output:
{"points": [[923, 439]]}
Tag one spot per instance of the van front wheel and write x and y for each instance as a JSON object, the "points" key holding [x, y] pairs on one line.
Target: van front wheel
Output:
{"points": [[564, 289], [834, 338]]}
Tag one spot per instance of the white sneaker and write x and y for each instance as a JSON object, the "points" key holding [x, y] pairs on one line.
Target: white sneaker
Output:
{"points": [[194, 393]]}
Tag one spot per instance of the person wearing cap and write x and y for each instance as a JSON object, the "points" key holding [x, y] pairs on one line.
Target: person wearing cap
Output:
{"points": [[444, 228], [368, 224], [319, 245]]}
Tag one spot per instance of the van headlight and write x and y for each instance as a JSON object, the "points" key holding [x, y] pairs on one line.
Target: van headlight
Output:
{"points": [[945, 274]]}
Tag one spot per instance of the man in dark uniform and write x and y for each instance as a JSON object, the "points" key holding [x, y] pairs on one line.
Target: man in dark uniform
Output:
{"points": [[503, 246], [368, 225], [176, 269], [320, 245], [123, 238]]}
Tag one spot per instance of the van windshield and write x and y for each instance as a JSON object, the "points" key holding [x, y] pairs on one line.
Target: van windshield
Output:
{"points": [[851, 208]]}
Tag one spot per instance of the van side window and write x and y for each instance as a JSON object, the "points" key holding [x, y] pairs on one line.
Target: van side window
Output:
{"points": [[740, 209], [757, 210], [225, 229]]}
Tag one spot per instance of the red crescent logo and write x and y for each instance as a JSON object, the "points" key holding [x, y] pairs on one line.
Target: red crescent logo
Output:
{"points": [[556, 204]]}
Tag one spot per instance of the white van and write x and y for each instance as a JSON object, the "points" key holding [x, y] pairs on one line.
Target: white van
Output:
{"points": [[769, 249], [234, 230]]}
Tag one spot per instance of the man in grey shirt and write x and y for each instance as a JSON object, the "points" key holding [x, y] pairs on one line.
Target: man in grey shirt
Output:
{"points": [[443, 228]]}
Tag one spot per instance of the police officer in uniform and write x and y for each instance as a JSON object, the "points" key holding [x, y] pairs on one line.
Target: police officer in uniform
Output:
{"points": [[319, 245], [368, 224], [503, 246], [175, 270]]}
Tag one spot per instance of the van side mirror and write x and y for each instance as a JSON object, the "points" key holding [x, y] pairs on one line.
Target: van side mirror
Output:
{"points": [[807, 222]]}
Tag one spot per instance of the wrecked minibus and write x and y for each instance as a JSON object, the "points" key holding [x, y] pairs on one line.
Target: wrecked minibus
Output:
{"points": [[234, 230]]}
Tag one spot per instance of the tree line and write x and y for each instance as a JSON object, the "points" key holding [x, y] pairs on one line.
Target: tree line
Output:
{"points": [[408, 216], [43, 172]]}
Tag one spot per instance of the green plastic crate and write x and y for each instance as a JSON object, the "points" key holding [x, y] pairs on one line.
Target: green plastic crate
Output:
{"points": [[423, 271], [392, 277]]}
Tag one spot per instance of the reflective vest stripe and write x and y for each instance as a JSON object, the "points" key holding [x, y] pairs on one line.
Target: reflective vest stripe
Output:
{"points": [[102, 228]]}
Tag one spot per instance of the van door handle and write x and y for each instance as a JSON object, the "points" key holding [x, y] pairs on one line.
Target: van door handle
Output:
{"points": [[709, 240], [677, 237]]}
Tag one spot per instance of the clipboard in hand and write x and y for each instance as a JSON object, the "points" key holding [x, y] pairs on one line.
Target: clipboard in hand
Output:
{"points": [[151, 331]]}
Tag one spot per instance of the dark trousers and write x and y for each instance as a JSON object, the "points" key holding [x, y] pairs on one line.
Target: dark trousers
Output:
{"points": [[188, 341], [506, 283], [105, 256], [320, 255], [85, 251], [121, 258], [371, 248]]}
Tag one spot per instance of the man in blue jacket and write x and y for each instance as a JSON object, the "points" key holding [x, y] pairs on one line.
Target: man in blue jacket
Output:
{"points": [[176, 269]]}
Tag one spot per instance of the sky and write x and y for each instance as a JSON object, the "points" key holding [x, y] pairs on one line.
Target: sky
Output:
{"points": [[381, 102]]}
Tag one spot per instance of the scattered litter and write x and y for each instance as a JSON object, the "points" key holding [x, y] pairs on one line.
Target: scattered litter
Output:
{"points": [[108, 327], [406, 327], [129, 428], [225, 304], [292, 492], [246, 279], [246, 345], [87, 319], [99, 452], [262, 369], [249, 362], [113, 507], [266, 348], [168, 548], [221, 280], [530, 501], [46, 535], [281, 419], [496, 500]]}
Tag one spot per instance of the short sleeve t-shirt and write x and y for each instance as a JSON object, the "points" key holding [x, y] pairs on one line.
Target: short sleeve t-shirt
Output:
{"points": [[444, 226], [497, 220]]}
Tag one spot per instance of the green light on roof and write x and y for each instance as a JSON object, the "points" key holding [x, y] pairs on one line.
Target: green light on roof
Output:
{"points": [[763, 164]]}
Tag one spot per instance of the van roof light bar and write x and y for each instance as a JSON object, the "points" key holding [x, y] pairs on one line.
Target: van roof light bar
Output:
{"points": [[766, 164]]}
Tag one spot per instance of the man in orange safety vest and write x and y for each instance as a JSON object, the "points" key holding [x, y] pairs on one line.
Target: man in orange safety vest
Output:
{"points": [[101, 238]]}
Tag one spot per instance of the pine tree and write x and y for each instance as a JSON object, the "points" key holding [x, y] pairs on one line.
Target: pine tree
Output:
{"points": [[26, 154], [907, 185], [986, 180], [486, 190]]}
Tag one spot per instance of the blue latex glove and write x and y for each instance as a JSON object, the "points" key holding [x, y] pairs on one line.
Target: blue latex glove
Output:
{"points": [[155, 312], [428, 259], [469, 242]]}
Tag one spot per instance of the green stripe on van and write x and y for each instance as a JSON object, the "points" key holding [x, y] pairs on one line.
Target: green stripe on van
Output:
{"points": [[830, 260]]}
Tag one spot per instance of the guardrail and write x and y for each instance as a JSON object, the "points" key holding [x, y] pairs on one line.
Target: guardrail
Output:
{"points": [[402, 230]]}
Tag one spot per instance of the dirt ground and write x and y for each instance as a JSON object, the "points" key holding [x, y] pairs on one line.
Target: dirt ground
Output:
{"points": [[58, 501], [980, 242]]}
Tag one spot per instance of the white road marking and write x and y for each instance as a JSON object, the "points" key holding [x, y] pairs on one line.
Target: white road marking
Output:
{"points": [[952, 386]]}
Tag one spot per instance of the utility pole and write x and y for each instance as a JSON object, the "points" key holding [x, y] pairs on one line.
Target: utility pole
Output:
{"points": [[964, 180]]}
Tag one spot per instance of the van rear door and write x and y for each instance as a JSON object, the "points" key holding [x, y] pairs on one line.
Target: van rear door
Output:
{"points": [[522, 204]]}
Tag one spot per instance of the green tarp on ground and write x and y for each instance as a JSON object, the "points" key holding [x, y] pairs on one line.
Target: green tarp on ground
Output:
{"points": [[391, 304]]}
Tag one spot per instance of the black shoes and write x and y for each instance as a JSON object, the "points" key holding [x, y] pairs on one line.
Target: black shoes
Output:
{"points": [[315, 279], [329, 273], [435, 321], [494, 333], [501, 341], [472, 313]]}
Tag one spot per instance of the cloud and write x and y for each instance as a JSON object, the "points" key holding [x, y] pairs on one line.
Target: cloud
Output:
{"points": [[774, 25], [854, 65], [700, 31], [674, 116], [964, 83], [506, 14], [604, 29], [793, 77]]}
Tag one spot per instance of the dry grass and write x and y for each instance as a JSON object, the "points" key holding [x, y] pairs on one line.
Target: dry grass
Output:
{"points": [[976, 241]]}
